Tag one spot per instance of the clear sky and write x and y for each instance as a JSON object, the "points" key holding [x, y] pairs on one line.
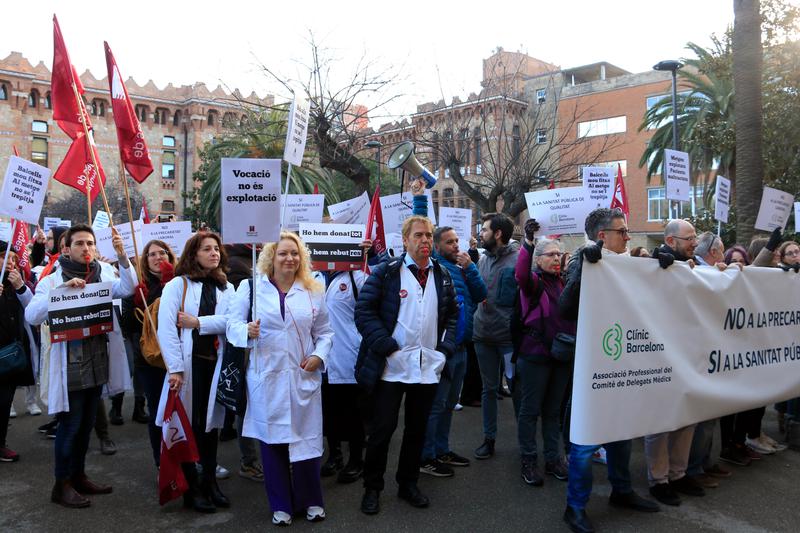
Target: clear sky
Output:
{"points": [[437, 47]]}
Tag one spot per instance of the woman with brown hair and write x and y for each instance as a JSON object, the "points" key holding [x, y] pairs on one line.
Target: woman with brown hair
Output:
{"points": [[196, 301]]}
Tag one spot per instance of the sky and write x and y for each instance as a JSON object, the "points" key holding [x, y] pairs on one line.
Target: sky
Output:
{"points": [[431, 50]]}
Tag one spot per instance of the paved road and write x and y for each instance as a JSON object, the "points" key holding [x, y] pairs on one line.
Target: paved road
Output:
{"points": [[488, 496]]}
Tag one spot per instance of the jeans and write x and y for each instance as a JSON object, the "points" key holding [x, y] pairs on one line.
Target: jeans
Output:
{"points": [[700, 452], [490, 361], [579, 486], [437, 436], [74, 432], [540, 384]]}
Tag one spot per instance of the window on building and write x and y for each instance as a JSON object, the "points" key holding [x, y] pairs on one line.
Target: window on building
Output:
{"points": [[448, 198], [541, 96], [516, 147], [653, 100], [462, 203], [176, 118], [39, 151], [33, 99], [244, 121], [476, 141], [3, 91], [168, 140], [229, 120], [540, 175], [39, 126], [658, 207], [168, 206], [541, 136], [212, 118], [48, 101], [603, 126], [142, 112], [160, 115], [435, 198], [98, 108], [168, 165]]}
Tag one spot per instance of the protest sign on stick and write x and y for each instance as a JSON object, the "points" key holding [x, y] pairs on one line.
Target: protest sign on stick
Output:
{"points": [[353, 211], [251, 192], [302, 208], [559, 211], [599, 185], [175, 234], [76, 314], [24, 189], [722, 196], [127, 231], [676, 175], [776, 206], [460, 220], [334, 246]]}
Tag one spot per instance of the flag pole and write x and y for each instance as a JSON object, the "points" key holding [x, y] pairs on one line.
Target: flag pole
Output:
{"points": [[124, 178], [286, 193]]}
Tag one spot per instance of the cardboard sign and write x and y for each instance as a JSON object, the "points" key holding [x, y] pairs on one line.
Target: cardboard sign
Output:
{"points": [[676, 175], [334, 246], [396, 208], [776, 206], [103, 237], [76, 314], [297, 131], [599, 185], [24, 189], [559, 211], [353, 211], [173, 233], [250, 203], [302, 208], [723, 199], [460, 220]]}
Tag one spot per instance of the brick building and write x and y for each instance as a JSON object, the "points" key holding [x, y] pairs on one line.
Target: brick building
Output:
{"points": [[176, 122]]}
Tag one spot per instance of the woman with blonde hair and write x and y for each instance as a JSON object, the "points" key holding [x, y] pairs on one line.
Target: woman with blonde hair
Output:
{"points": [[290, 338]]}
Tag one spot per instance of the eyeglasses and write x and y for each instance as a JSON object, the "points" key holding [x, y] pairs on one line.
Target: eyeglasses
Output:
{"points": [[793, 253], [623, 232], [693, 238], [552, 254]]}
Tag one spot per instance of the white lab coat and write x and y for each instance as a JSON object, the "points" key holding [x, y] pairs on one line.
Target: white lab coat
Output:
{"points": [[177, 350], [341, 302], [119, 375], [284, 404]]}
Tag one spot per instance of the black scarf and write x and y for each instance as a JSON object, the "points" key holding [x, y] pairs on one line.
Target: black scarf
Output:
{"points": [[71, 269], [204, 345]]}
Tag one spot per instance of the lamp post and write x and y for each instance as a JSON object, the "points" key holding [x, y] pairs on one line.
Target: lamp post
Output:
{"points": [[377, 144], [672, 66]]}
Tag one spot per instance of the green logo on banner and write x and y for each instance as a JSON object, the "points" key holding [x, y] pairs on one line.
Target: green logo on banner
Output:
{"points": [[612, 342], [554, 218]]}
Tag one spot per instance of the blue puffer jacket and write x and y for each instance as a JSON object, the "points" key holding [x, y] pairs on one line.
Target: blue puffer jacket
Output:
{"points": [[376, 314], [470, 288]]}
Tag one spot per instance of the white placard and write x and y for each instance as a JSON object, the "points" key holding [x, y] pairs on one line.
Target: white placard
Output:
{"points": [[103, 238], [173, 233], [599, 185], [797, 217], [559, 211], [776, 206], [722, 203], [353, 211], [302, 208], [397, 208], [101, 220], [676, 175], [24, 189], [50, 222], [5, 231], [297, 132], [394, 244], [460, 220], [251, 195], [334, 246]]}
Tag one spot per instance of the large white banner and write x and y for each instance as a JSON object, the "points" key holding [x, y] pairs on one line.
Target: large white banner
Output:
{"points": [[251, 194], [659, 349]]}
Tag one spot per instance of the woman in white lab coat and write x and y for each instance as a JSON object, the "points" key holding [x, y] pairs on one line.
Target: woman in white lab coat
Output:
{"points": [[290, 338], [191, 332]]}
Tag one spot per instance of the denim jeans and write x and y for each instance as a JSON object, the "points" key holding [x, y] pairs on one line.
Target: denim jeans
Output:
{"points": [[74, 432], [437, 436], [490, 361], [540, 384], [579, 486], [700, 452]]}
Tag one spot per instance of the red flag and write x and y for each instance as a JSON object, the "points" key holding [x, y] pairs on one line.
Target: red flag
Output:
{"points": [[552, 184], [67, 111], [132, 148], [19, 243], [77, 166], [144, 216], [316, 188], [620, 199], [375, 226], [177, 446]]}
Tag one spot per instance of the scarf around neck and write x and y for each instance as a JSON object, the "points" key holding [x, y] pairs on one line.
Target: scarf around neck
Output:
{"points": [[71, 269]]}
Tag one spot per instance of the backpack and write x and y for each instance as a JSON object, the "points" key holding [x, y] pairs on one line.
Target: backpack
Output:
{"points": [[148, 342]]}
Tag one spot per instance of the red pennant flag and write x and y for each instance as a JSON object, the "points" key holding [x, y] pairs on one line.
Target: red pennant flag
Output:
{"points": [[375, 230], [67, 111], [19, 243], [620, 198], [177, 446], [77, 166], [316, 188], [144, 216], [132, 148]]}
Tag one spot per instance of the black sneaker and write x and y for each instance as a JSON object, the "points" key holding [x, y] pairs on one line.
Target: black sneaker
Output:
{"points": [[434, 468], [50, 433], [45, 427], [558, 469], [664, 493], [332, 465], [485, 450], [687, 485], [530, 473], [734, 456], [453, 459]]}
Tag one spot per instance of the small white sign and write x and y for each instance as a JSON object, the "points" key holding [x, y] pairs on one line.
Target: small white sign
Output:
{"points": [[251, 195], [396, 208], [676, 175], [460, 220], [173, 233], [775, 209], [297, 132], [103, 238], [302, 208], [24, 189], [559, 211], [797, 217], [101, 220], [723, 199], [334, 246], [353, 211], [394, 244], [5, 231], [599, 185]]}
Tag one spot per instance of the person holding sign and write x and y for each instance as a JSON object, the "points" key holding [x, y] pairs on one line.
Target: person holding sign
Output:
{"points": [[196, 301], [79, 368], [290, 340]]}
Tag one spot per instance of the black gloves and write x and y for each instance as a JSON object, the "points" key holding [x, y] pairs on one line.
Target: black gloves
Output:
{"points": [[787, 268], [531, 227], [665, 259], [593, 252], [774, 239]]}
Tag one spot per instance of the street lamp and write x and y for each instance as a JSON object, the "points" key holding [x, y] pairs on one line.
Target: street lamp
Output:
{"points": [[672, 66], [377, 144]]}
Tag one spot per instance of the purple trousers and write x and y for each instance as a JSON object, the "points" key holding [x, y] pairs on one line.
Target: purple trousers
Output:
{"points": [[290, 489]]}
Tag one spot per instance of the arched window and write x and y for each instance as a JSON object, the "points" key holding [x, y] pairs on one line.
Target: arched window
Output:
{"points": [[33, 99], [244, 121], [39, 151], [98, 108], [448, 198], [212, 118], [168, 165], [160, 116], [176, 118], [228, 120], [141, 113], [48, 101], [3, 92]]}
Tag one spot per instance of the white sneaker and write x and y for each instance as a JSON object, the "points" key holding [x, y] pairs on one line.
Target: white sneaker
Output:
{"points": [[769, 441], [315, 514], [757, 446], [458, 407], [600, 456], [12, 413], [34, 409], [222, 472], [279, 518]]}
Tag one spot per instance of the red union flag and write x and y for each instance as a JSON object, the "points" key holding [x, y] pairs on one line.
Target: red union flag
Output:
{"points": [[77, 167], [67, 111], [375, 230], [177, 446], [620, 198], [132, 148], [19, 243]]}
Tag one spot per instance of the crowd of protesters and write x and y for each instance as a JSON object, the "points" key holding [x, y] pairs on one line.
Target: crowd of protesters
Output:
{"points": [[329, 359]]}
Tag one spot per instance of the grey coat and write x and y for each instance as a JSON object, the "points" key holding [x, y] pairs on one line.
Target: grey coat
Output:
{"points": [[492, 319]]}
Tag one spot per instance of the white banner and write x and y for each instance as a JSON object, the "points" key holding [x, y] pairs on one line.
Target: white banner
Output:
{"points": [[302, 208], [173, 233], [397, 208], [774, 210], [599, 185], [104, 235], [723, 199], [297, 131], [251, 192], [24, 189], [460, 220], [559, 211], [353, 211], [658, 350], [676, 175]]}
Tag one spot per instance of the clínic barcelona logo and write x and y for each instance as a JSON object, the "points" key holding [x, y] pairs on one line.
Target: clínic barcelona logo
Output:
{"points": [[612, 342]]}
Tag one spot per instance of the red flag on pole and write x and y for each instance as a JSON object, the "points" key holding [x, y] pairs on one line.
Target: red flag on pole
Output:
{"points": [[144, 216], [19, 243], [375, 226], [177, 446], [620, 199], [66, 109], [77, 167], [132, 148]]}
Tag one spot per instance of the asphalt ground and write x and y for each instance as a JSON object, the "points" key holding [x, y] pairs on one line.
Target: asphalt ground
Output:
{"points": [[487, 496]]}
